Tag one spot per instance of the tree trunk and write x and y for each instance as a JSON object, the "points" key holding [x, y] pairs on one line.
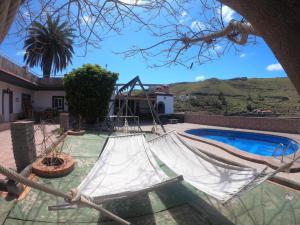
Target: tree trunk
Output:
{"points": [[278, 23], [8, 11], [47, 68]]}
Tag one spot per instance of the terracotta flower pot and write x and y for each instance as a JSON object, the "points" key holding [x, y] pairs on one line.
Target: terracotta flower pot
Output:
{"points": [[49, 167]]}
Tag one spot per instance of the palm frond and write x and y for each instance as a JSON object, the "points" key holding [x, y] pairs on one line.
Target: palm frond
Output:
{"points": [[49, 45]]}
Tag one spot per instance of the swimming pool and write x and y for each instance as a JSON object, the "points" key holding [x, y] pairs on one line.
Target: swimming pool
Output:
{"points": [[255, 143]]}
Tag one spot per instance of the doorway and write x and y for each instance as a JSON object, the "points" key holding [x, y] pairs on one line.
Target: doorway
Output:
{"points": [[26, 106], [7, 104], [161, 108]]}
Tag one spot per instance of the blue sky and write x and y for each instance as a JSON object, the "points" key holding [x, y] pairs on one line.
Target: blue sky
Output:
{"points": [[253, 60]]}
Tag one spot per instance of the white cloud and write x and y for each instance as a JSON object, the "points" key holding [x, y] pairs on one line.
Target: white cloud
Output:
{"points": [[197, 26], [200, 78], [227, 13], [217, 47], [184, 13], [20, 53], [26, 14], [243, 55], [87, 20], [184, 17], [274, 67]]}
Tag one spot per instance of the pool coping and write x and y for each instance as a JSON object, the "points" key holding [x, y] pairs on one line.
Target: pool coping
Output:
{"points": [[274, 163]]}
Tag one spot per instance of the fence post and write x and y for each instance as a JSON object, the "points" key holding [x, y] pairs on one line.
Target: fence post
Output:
{"points": [[64, 121], [22, 136]]}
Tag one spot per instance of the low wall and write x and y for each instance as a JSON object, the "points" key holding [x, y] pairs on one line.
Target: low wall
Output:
{"points": [[254, 123]]}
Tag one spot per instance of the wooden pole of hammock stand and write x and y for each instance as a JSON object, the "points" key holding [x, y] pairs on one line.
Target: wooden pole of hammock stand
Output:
{"points": [[18, 178]]}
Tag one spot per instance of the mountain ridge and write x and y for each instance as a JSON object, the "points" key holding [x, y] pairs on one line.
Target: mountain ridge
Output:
{"points": [[237, 95]]}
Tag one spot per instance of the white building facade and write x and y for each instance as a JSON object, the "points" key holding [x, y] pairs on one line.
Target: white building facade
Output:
{"points": [[22, 94], [165, 104]]}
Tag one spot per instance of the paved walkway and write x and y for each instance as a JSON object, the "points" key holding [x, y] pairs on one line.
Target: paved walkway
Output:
{"points": [[6, 149]]}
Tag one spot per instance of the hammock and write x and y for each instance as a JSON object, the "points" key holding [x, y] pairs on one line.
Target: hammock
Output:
{"points": [[219, 180], [126, 167]]}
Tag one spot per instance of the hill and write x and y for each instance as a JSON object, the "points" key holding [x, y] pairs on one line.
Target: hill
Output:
{"points": [[238, 96]]}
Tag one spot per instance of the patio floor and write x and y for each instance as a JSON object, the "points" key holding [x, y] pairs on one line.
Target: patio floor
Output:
{"points": [[176, 204], [6, 151]]}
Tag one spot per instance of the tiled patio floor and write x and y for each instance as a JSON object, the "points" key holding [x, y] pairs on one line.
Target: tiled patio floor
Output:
{"points": [[176, 204], [6, 152]]}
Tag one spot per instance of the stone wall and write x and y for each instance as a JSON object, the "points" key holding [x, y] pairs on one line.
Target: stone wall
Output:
{"points": [[254, 123]]}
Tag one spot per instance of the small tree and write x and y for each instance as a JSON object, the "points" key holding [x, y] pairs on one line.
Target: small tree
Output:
{"points": [[88, 92]]}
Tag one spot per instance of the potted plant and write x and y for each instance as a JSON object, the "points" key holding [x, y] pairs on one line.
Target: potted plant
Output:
{"points": [[53, 162]]}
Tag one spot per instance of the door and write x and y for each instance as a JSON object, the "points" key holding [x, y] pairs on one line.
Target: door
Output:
{"points": [[26, 106], [58, 102], [6, 107]]}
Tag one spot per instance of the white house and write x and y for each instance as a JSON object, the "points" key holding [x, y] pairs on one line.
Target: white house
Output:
{"points": [[165, 103], [22, 93], [158, 95]]}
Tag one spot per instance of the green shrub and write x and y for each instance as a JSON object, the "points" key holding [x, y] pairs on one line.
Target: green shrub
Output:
{"points": [[249, 107], [88, 92], [260, 98]]}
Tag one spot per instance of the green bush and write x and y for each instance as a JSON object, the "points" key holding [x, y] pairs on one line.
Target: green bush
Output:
{"points": [[88, 91], [249, 107]]}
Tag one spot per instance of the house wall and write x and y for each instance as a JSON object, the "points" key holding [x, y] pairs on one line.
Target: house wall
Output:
{"points": [[168, 100], [144, 106], [43, 99], [17, 99]]}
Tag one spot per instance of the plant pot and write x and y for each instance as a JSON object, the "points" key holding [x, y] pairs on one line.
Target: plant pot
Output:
{"points": [[76, 132], [50, 167]]}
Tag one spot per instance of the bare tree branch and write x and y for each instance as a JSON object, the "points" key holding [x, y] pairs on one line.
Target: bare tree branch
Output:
{"points": [[94, 20], [177, 42], [236, 32]]}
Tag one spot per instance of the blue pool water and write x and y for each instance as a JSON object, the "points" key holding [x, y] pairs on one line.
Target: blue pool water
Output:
{"points": [[255, 143]]}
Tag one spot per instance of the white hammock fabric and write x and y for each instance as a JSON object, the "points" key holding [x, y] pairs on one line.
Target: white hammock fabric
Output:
{"points": [[126, 166], [219, 180]]}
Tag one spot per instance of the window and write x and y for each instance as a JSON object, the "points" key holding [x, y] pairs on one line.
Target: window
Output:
{"points": [[58, 102]]}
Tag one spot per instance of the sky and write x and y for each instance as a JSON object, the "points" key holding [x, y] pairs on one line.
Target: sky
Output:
{"points": [[253, 60]]}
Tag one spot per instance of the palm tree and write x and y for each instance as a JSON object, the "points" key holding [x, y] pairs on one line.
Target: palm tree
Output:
{"points": [[49, 46]]}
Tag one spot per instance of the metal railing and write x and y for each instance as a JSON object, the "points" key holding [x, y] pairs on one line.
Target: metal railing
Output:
{"points": [[284, 150], [13, 67]]}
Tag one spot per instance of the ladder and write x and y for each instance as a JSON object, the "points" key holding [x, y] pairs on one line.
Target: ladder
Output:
{"points": [[282, 150]]}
